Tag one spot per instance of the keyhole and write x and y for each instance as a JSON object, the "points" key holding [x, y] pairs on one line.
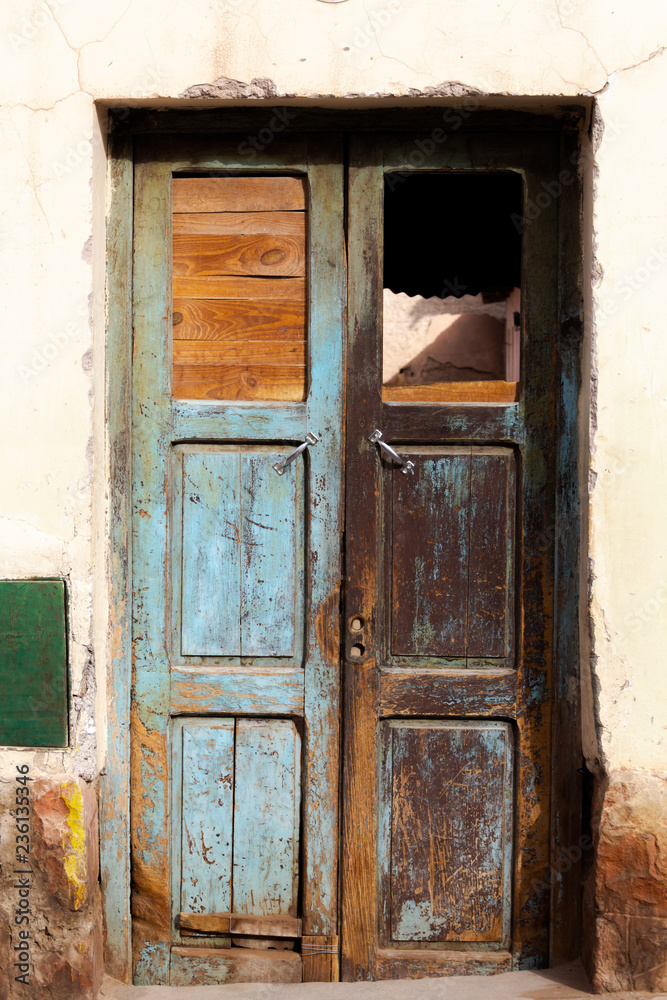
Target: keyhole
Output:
{"points": [[357, 651], [356, 624]]}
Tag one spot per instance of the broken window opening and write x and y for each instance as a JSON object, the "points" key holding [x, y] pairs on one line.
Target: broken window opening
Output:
{"points": [[452, 286]]}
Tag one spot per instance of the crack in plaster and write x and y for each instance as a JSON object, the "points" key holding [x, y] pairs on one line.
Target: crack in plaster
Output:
{"points": [[577, 31], [379, 47]]}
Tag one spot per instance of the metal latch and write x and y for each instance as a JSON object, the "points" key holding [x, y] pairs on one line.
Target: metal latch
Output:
{"points": [[280, 466], [376, 438]]}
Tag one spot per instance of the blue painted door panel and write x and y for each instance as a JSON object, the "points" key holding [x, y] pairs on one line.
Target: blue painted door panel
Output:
{"points": [[206, 819], [241, 554]]}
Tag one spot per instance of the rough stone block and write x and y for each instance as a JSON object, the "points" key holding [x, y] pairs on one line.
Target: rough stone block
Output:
{"points": [[65, 848], [626, 897]]}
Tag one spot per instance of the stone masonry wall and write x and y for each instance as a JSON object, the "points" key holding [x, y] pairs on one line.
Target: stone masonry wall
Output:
{"points": [[626, 895], [50, 912]]}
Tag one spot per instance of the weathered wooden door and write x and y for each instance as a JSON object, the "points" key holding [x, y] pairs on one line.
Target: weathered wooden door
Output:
{"points": [[449, 610], [443, 694], [238, 345]]}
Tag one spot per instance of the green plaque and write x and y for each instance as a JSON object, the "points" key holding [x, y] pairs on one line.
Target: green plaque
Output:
{"points": [[33, 663]]}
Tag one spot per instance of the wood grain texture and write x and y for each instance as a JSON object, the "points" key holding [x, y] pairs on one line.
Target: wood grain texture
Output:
{"points": [[271, 256], [207, 804], [395, 963], [245, 924], [225, 223], [269, 566], [240, 320], [327, 283], [211, 590], [237, 691], [213, 966], [438, 692], [453, 392], [491, 565], [240, 524], [215, 286], [430, 553], [222, 353], [115, 781], [451, 808], [150, 673], [319, 957], [252, 382], [266, 817], [238, 194]]}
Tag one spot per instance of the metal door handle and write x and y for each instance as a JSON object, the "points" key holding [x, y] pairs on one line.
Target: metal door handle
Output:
{"points": [[280, 466], [376, 438]]}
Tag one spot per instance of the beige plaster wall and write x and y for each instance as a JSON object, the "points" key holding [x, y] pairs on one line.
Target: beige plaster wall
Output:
{"points": [[61, 56]]}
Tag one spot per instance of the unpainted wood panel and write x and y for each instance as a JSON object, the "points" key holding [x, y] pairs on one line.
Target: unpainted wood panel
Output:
{"points": [[430, 529], [269, 559], [213, 966], [451, 789], [280, 353], [240, 319], [271, 256], [238, 194], [266, 817], [207, 804], [224, 223], [491, 568], [216, 286], [258, 382], [453, 392], [211, 562]]}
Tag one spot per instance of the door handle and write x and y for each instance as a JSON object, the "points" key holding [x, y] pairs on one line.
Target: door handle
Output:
{"points": [[280, 466], [376, 438]]}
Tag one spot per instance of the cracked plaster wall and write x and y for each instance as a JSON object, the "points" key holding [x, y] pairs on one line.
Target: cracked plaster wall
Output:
{"points": [[61, 56]]}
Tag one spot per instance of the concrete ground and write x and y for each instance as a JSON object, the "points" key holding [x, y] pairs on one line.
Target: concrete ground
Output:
{"points": [[565, 983]]}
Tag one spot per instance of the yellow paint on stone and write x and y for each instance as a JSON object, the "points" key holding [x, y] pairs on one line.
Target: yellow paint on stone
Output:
{"points": [[74, 845]]}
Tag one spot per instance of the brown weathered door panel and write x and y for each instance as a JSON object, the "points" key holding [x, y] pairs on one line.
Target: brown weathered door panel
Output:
{"points": [[449, 613]]}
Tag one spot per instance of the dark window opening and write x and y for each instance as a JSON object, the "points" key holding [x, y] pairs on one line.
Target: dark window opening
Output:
{"points": [[452, 281]]}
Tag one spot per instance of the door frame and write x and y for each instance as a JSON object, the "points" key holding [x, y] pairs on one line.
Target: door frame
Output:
{"points": [[568, 121]]}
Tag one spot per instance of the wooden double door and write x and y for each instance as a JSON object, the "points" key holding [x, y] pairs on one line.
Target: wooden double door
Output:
{"points": [[342, 669]]}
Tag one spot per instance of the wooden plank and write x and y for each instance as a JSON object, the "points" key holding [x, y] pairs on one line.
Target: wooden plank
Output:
{"points": [[245, 924], [266, 817], [223, 223], [360, 798], [453, 392], [573, 353], [438, 423], [245, 422], [491, 566], [451, 808], [115, 777], [215, 286], [319, 956], [151, 910], [240, 319], [207, 803], [271, 256], [437, 692], [213, 966], [269, 569], [398, 963], [219, 353], [248, 691], [211, 587], [238, 194], [253, 382], [327, 335], [430, 553]]}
